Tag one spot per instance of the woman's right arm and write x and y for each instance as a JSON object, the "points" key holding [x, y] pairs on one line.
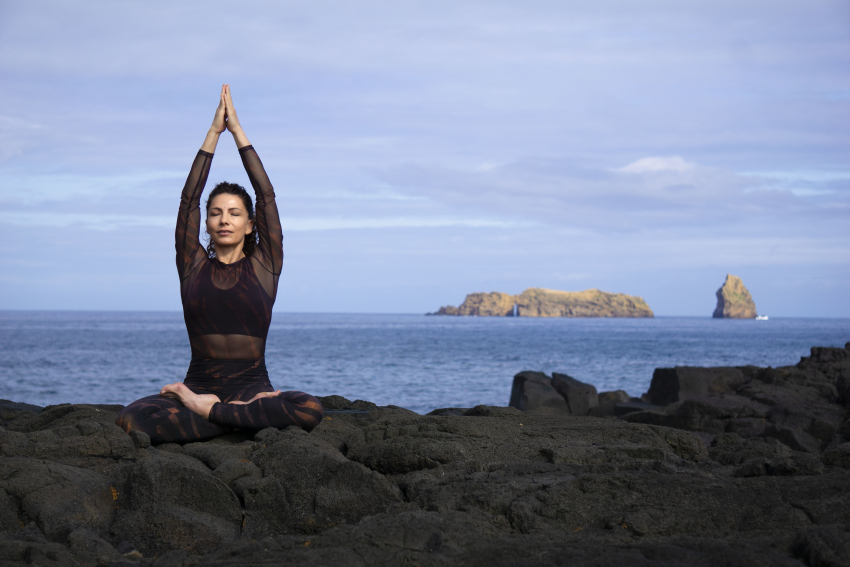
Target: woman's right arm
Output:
{"points": [[187, 235]]}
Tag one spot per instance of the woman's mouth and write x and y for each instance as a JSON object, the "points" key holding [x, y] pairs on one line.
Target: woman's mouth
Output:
{"points": [[224, 233]]}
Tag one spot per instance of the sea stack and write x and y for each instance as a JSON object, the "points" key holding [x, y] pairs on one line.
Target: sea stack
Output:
{"points": [[734, 300]]}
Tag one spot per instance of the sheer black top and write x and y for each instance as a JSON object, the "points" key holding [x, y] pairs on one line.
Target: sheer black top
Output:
{"points": [[228, 307]]}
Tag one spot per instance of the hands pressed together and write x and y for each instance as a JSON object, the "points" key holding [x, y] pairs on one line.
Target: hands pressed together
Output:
{"points": [[225, 119], [225, 114]]}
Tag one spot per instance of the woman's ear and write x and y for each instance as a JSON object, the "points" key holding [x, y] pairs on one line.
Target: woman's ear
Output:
{"points": [[249, 227]]}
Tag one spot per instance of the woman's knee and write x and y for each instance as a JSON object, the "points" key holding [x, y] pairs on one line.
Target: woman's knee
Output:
{"points": [[311, 409], [123, 420], [298, 408], [139, 414]]}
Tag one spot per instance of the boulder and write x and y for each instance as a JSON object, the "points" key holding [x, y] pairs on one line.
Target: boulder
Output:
{"points": [[172, 501], [533, 391], [559, 395], [687, 382], [608, 403], [581, 398], [734, 300], [58, 498], [337, 489]]}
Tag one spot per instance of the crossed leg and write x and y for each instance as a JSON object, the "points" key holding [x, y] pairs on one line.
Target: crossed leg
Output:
{"points": [[180, 415], [166, 420]]}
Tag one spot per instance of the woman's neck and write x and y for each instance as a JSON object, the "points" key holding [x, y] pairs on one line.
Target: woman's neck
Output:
{"points": [[229, 254]]}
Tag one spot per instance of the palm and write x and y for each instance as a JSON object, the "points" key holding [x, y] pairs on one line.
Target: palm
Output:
{"points": [[232, 119], [220, 119]]}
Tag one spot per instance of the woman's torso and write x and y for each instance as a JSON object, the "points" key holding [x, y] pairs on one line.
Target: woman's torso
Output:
{"points": [[227, 311]]}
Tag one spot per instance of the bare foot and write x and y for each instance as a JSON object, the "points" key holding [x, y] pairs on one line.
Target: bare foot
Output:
{"points": [[201, 404], [258, 396]]}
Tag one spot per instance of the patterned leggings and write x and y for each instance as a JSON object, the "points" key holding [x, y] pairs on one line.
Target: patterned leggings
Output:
{"points": [[167, 420]]}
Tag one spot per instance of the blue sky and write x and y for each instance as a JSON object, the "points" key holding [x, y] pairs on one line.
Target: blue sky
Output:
{"points": [[421, 151]]}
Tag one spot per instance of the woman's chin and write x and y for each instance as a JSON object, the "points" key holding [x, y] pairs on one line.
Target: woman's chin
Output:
{"points": [[223, 243]]}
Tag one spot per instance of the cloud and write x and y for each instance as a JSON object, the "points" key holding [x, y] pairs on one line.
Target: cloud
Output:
{"points": [[669, 193], [104, 222], [30, 188], [654, 164], [109, 222]]}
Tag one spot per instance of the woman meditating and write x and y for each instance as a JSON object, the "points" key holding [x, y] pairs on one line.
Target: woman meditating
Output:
{"points": [[228, 289]]}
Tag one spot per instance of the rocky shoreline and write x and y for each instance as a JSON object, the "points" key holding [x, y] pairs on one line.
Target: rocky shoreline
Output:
{"points": [[733, 466]]}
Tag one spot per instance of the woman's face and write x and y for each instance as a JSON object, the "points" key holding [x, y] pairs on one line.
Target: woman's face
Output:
{"points": [[227, 221]]}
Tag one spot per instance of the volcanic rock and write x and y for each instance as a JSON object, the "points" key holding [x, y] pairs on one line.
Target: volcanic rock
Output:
{"points": [[801, 406], [538, 302], [533, 391], [685, 382], [734, 300], [486, 486], [580, 397], [558, 395]]}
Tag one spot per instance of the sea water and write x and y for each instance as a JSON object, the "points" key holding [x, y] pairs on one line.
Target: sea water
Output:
{"points": [[417, 362]]}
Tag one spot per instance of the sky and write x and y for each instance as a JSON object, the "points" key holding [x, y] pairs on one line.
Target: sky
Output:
{"points": [[421, 151]]}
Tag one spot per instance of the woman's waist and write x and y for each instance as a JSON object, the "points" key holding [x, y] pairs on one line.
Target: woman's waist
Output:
{"points": [[206, 369]]}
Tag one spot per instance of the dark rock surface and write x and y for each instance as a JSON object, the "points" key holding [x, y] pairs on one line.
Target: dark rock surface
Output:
{"points": [[481, 486], [804, 406], [558, 395]]}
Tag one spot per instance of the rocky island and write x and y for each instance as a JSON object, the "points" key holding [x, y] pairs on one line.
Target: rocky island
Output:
{"points": [[734, 300], [712, 466], [539, 302]]}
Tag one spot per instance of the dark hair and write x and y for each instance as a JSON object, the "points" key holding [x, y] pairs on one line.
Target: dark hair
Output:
{"points": [[234, 189]]}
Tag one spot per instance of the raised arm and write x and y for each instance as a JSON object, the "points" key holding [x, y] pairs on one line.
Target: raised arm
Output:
{"points": [[187, 234], [269, 253]]}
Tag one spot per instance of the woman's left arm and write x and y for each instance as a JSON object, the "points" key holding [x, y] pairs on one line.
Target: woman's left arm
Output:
{"points": [[266, 214]]}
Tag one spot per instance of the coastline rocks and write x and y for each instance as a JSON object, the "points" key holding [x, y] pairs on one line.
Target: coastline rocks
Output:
{"points": [[539, 302], [533, 391], [581, 398], [486, 486], [686, 382], [801, 406], [734, 300], [558, 395]]}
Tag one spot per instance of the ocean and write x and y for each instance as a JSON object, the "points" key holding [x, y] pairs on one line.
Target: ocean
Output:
{"points": [[417, 362]]}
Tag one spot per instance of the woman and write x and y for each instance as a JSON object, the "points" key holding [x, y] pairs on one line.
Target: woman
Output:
{"points": [[228, 290]]}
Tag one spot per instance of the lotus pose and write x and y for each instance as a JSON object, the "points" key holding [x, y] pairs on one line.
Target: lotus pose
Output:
{"points": [[228, 289]]}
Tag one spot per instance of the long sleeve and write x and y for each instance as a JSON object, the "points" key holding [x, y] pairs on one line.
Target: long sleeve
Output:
{"points": [[269, 254], [187, 234]]}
